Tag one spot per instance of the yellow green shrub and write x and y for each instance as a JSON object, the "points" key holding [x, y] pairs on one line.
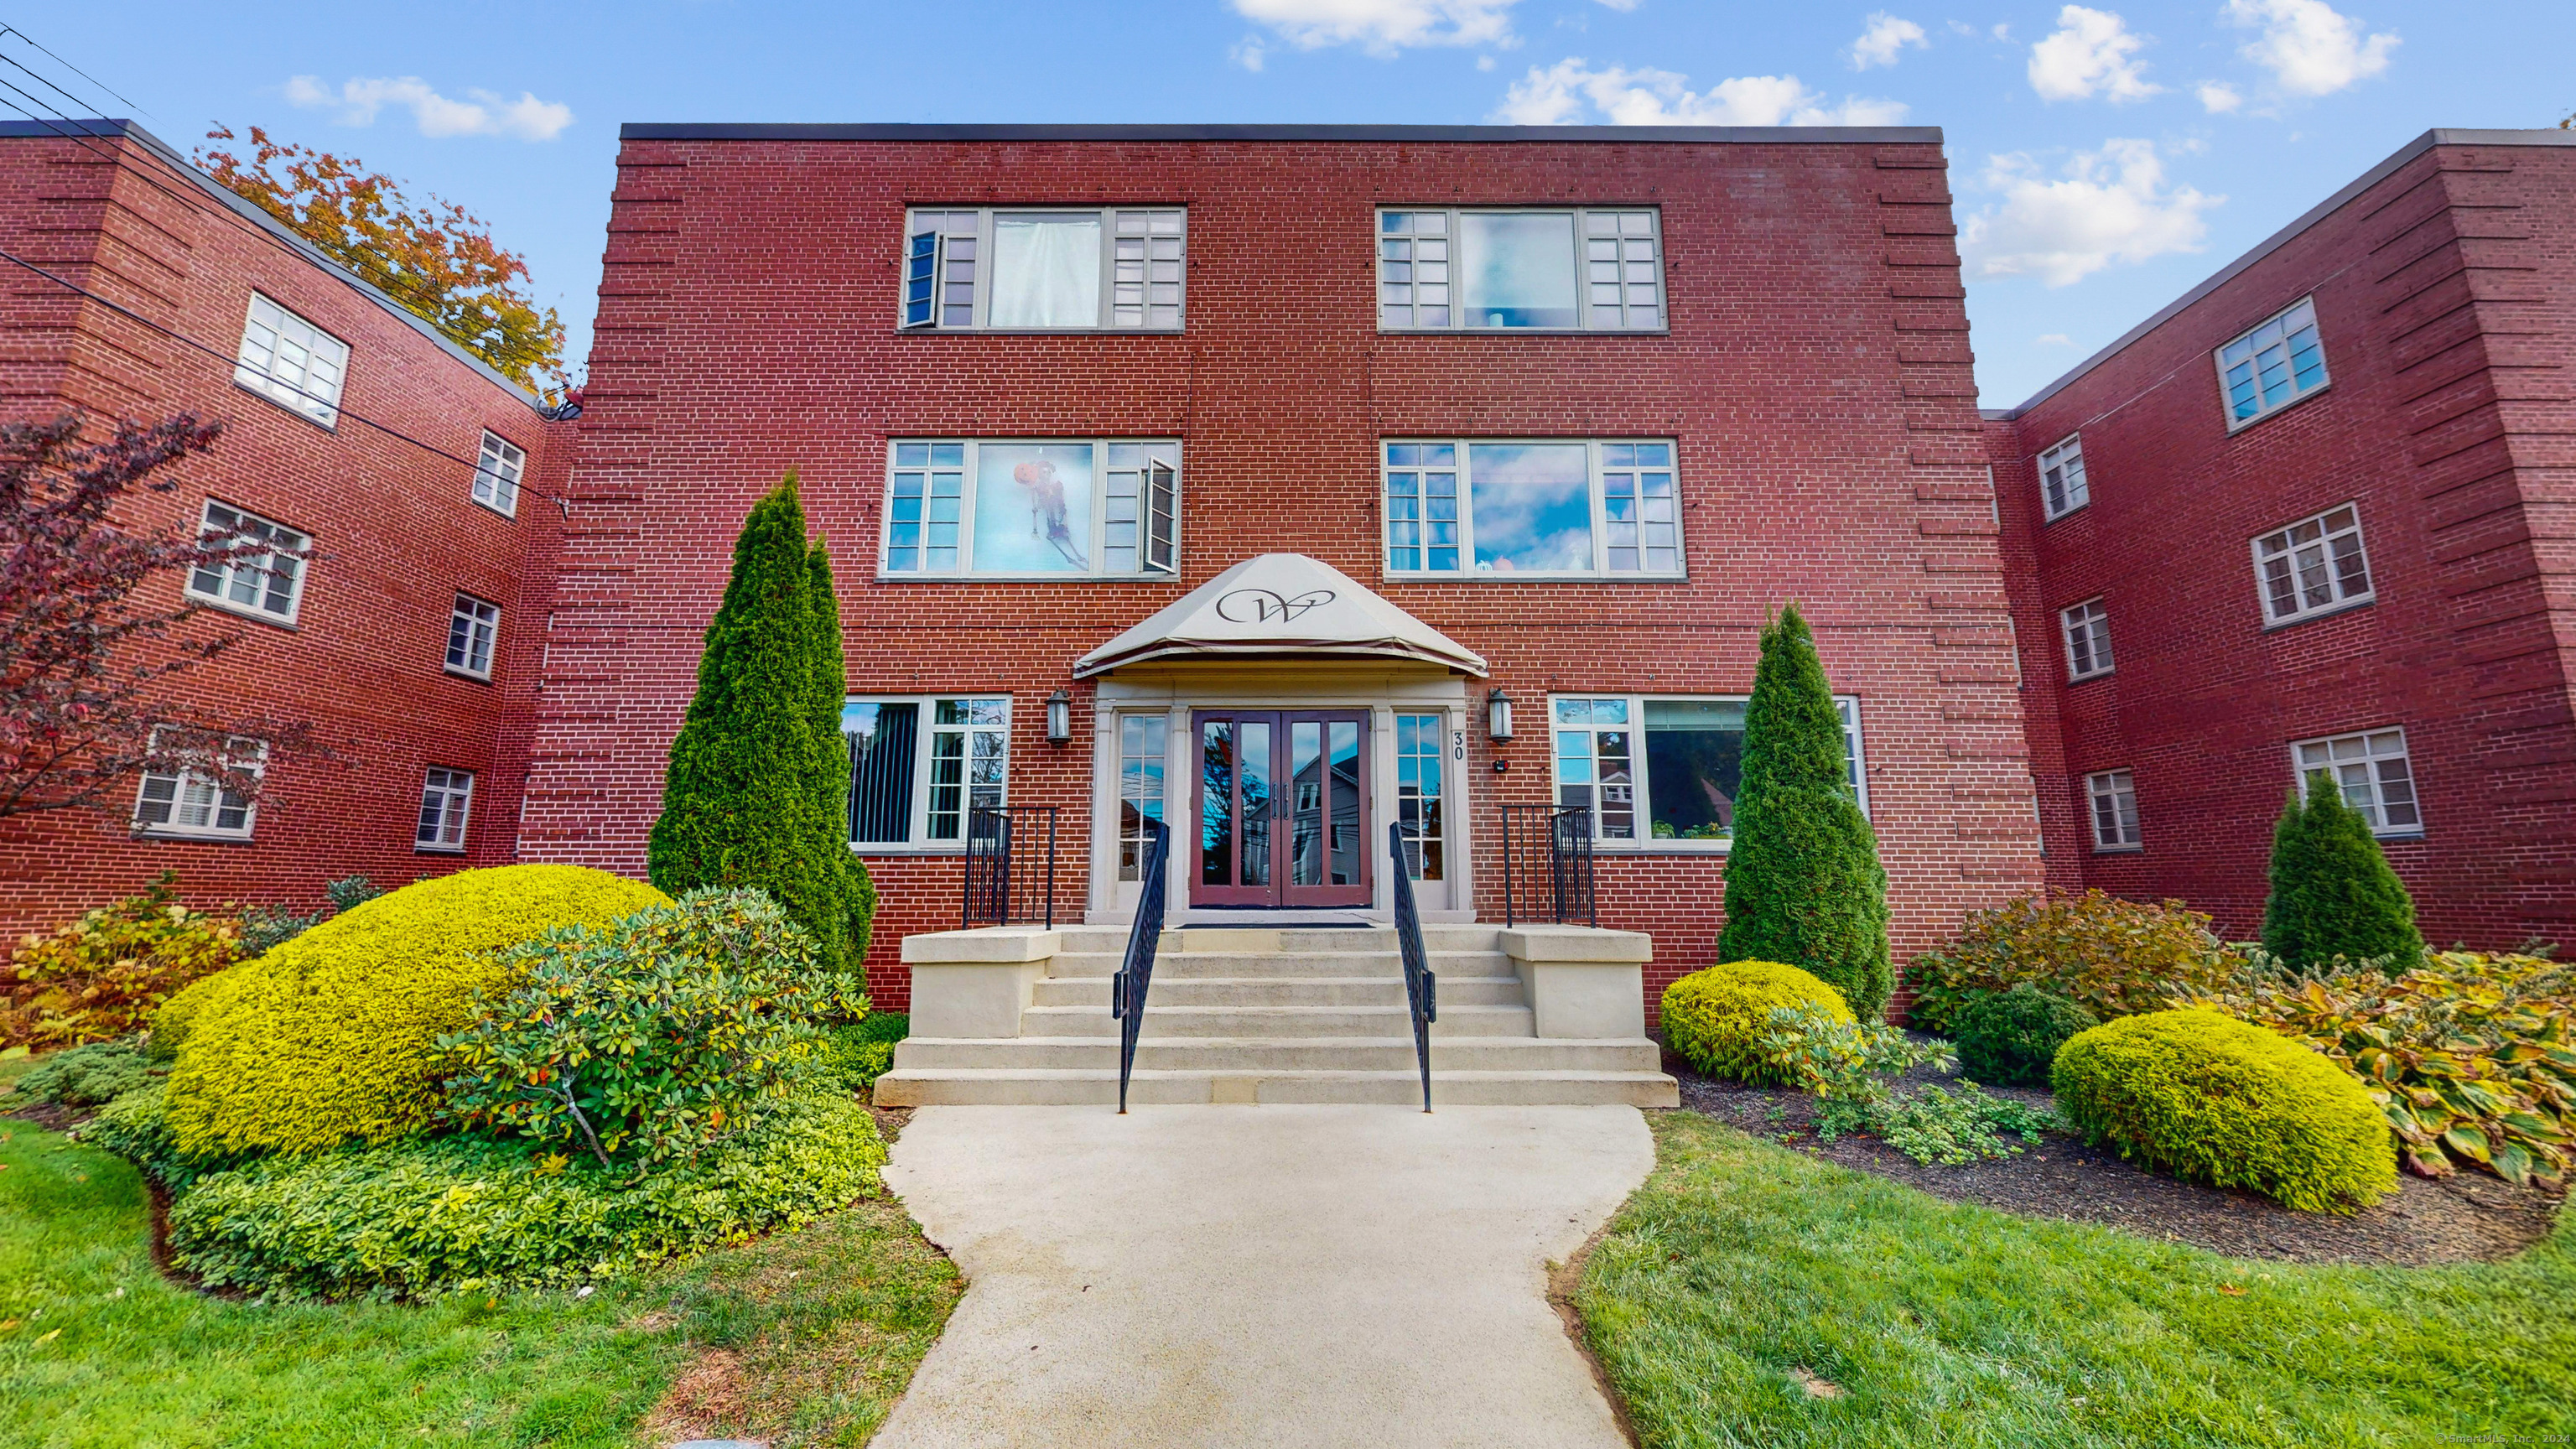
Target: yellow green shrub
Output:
{"points": [[102, 976], [333, 1035], [1717, 1018], [2213, 1099]]}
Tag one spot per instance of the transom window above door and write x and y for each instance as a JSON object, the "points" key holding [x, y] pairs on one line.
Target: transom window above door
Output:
{"points": [[1663, 771], [1074, 269], [1575, 269], [1563, 510], [960, 508]]}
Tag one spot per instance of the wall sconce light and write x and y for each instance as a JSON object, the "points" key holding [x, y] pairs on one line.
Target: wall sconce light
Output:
{"points": [[1059, 717], [1498, 716]]}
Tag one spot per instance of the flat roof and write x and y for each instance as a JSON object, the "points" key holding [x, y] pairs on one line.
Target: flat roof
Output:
{"points": [[248, 211], [908, 131], [2283, 237]]}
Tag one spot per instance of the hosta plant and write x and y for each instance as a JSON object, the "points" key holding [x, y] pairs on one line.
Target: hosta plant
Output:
{"points": [[2472, 1057]]}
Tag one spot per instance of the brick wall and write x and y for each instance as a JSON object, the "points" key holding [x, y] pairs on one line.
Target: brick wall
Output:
{"points": [[2446, 297], [1817, 377], [395, 533]]}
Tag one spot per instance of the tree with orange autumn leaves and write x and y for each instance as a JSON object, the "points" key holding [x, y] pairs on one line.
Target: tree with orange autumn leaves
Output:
{"points": [[438, 260]]}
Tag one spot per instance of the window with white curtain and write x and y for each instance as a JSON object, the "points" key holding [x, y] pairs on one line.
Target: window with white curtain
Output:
{"points": [[269, 583], [2314, 566], [291, 361], [1041, 270], [1574, 269]]}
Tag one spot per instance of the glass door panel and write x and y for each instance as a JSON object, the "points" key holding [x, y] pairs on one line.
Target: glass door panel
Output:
{"points": [[1283, 809]]}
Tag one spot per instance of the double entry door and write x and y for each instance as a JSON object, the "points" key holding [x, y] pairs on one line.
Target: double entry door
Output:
{"points": [[1283, 808]]}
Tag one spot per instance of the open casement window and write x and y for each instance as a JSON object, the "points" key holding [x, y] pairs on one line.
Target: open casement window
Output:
{"points": [[1583, 269], [1045, 270], [2114, 796], [2373, 770], [1532, 509], [265, 585], [194, 802], [291, 362], [446, 797], [919, 766], [2062, 488], [2273, 365], [2314, 566], [1665, 772], [961, 508]]}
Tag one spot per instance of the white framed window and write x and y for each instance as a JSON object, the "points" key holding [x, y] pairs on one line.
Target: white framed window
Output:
{"points": [[1567, 269], [2114, 794], [2272, 365], [268, 585], [1663, 771], [471, 630], [497, 473], [195, 802], [920, 765], [1009, 508], [446, 798], [2372, 768], [2061, 478], [1512, 509], [291, 362], [2314, 566], [1141, 742], [2087, 627], [1105, 268], [1421, 795]]}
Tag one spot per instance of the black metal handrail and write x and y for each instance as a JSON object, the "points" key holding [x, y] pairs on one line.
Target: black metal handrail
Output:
{"points": [[1421, 988], [1010, 866], [1547, 866], [1127, 988]]}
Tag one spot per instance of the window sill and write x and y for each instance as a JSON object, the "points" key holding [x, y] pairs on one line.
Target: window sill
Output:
{"points": [[2236, 425], [197, 837], [245, 611], [1519, 576], [270, 398], [1066, 576], [2089, 678], [1717, 849], [2345, 607], [419, 849], [511, 513], [2412, 833], [2119, 850], [1386, 331], [2048, 518], [876, 848], [903, 331], [452, 672]]}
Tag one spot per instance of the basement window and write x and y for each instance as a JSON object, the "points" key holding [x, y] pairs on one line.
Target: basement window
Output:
{"points": [[1676, 762], [920, 767], [1116, 269]]}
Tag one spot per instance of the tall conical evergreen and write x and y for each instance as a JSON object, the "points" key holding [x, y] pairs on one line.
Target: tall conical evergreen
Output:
{"points": [[741, 804], [2332, 891], [832, 775], [1803, 881]]}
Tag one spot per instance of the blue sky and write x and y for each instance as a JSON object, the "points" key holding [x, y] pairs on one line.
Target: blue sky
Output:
{"points": [[2105, 157]]}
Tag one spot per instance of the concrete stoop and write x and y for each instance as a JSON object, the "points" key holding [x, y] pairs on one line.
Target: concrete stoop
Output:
{"points": [[1241, 1015]]}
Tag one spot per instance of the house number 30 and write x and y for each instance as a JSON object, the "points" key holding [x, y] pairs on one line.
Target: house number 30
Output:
{"points": [[1457, 744]]}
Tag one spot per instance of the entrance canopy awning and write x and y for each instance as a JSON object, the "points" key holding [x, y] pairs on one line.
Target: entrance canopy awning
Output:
{"points": [[1280, 603]]}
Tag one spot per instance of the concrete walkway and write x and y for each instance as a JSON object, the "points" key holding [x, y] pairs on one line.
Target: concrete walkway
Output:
{"points": [[1260, 1276]]}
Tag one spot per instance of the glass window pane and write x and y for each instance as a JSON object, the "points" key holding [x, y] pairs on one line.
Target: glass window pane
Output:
{"points": [[1516, 269], [1046, 271], [1531, 506], [1033, 508], [1694, 765], [882, 750]]}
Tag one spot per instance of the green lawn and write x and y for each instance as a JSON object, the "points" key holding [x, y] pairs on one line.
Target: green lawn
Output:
{"points": [[815, 1332], [1740, 1266]]}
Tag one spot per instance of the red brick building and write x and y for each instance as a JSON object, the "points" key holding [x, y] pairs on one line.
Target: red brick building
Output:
{"points": [[1558, 415], [422, 482], [2320, 513]]}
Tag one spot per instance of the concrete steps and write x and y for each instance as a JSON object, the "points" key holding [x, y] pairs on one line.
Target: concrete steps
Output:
{"points": [[1257, 1015]]}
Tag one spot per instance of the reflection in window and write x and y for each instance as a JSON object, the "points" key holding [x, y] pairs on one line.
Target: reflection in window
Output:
{"points": [[967, 745], [1577, 269], [2274, 365], [2372, 768], [1531, 504], [1695, 759], [1516, 269], [1532, 508], [1140, 787], [1687, 775], [1419, 750], [1595, 766], [906, 789], [1018, 509]]}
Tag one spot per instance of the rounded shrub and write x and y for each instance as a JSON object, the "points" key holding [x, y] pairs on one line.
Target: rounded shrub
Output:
{"points": [[333, 1035], [2009, 1038], [1716, 1018], [2213, 1099]]}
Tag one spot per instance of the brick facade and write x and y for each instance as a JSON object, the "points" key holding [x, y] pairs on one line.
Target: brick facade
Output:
{"points": [[395, 533], [2445, 289], [1816, 376]]}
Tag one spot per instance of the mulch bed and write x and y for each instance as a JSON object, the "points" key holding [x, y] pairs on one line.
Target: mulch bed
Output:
{"points": [[2467, 1217]]}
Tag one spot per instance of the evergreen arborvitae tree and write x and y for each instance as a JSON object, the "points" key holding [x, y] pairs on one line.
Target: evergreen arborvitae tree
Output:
{"points": [[2332, 891], [1803, 882], [832, 773], [740, 804]]}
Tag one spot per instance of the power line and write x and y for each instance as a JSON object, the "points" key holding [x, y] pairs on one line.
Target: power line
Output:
{"points": [[182, 338], [76, 70]]}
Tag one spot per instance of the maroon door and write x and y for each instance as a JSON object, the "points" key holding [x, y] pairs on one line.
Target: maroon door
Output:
{"points": [[1283, 808]]}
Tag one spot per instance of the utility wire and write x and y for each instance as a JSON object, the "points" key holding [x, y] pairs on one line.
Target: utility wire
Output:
{"points": [[76, 70]]}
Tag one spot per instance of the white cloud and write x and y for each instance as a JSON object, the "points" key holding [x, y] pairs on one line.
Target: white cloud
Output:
{"points": [[1883, 37], [2055, 339], [2111, 205], [2218, 97], [2092, 52], [1249, 53], [1557, 96], [1618, 4], [486, 114], [2309, 49], [1382, 27]]}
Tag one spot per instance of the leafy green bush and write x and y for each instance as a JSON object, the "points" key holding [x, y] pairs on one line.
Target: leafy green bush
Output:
{"points": [[858, 1054], [1930, 1125], [645, 1038], [333, 1035], [2471, 1057], [101, 977], [2332, 891], [2216, 1100], [1716, 1018], [1803, 879], [86, 1076], [2009, 1038], [2111, 957], [432, 1215], [1841, 1060], [264, 928], [136, 1127]]}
